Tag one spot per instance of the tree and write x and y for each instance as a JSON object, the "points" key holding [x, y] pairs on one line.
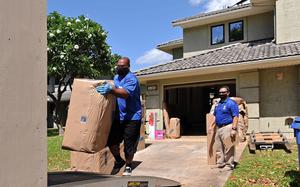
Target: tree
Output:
{"points": [[77, 48]]}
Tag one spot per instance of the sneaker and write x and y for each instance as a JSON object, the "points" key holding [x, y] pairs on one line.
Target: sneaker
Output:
{"points": [[231, 166], [117, 167], [221, 165], [127, 171]]}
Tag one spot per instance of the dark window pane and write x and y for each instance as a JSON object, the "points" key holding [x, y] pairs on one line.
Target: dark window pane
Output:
{"points": [[217, 34], [236, 31]]}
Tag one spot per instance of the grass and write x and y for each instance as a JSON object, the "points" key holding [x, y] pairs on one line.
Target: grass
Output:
{"points": [[266, 168], [58, 159]]}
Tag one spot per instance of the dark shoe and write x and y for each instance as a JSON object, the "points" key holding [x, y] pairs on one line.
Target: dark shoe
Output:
{"points": [[127, 171], [117, 167], [221, 165], [231, 166]]}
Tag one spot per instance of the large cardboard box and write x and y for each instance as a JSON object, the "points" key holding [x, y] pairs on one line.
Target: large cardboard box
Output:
{"points": [[211, 133], [174, 131], [166, 118], [89, 117], [101, 162], [141, 144]]}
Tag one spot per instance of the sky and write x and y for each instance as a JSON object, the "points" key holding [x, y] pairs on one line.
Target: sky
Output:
{"points": [[136, 27]]}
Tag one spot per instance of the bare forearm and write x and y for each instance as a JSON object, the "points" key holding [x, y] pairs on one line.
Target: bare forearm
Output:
{"points": [[235, 122], [119, 92]]}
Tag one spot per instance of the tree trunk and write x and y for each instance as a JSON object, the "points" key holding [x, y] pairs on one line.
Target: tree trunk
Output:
{"points": [[57, 102]]}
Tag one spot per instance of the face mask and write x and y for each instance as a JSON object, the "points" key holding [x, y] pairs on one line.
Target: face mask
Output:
{"points": [[122, 71], [222, 96]]}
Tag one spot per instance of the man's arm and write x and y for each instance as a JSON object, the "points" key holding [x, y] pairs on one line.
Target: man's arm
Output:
{"points": [[127, 90], [119, 92], [235, 115], [235, 122]]}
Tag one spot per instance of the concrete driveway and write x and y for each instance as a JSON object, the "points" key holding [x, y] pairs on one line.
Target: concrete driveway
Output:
{"points": [[183, 160]]}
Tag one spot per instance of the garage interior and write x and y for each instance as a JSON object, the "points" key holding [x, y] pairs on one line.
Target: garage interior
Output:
{"points": [[191, 102]]}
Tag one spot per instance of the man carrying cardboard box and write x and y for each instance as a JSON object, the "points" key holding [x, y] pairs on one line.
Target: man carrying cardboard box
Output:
{"points": [[227, 115], [127, 122]]}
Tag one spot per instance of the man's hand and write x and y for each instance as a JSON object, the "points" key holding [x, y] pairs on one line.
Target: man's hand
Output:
{"points": [[232, 133], [104, 88]]}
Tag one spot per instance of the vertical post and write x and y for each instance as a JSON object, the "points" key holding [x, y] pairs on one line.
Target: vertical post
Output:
{"points": [[23, 86], [299, 156]]}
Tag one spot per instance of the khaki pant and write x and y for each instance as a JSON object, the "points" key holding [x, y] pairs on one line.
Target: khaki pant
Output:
{"points": [[224, 150]]}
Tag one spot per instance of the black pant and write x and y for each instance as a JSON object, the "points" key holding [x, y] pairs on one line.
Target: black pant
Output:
{"points": [[129, 131]]}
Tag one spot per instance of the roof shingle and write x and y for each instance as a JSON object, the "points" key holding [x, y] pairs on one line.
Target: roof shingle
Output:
{"points": [[233, 54], [172, 42], [212, 13]]}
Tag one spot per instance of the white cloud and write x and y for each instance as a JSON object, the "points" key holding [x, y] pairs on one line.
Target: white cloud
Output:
{"points": [[195, 2], [154, 57], [219, 4], [211, 5]]}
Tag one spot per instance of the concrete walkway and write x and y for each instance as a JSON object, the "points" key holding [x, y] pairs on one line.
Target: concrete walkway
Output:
{"points": [[183, 160]]}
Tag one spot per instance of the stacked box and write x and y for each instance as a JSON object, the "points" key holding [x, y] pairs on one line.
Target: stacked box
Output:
{"points": [[89, 117], [174, 131], [101, 162], [211, 132]]}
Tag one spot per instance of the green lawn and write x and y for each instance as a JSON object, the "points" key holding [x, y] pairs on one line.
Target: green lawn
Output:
{"points": [[267, 168], [58, 159]]}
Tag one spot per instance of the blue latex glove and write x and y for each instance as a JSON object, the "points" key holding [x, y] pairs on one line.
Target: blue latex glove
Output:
{"points": [[104, 88]]}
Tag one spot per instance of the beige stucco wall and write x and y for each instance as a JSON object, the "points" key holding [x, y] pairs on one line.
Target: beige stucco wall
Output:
{"points": [[23, 62], [287, 21], [177, 53], [261, 26], [279, 96], [249, 90], [279, 92], [197, 39]]}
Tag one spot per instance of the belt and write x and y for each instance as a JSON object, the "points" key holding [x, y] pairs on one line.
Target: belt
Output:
{"points": [[220, 126]]}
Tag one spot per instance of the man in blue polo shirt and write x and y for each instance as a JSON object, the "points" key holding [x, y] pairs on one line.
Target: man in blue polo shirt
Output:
{"points": [[127, 123], [227, 115]]}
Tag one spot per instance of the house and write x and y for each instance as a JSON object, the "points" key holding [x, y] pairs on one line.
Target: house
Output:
{"points": [[254, 48]]}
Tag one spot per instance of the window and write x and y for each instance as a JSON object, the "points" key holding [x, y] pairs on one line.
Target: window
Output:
{"points": [[217, 34], [236, 31]]}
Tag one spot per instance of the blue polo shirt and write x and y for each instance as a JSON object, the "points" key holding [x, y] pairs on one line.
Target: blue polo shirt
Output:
{"points": [[225, 111], [129, 108]]}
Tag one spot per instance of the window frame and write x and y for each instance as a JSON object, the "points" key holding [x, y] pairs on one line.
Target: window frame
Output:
{"points": [[211, 34], [229, 37]]}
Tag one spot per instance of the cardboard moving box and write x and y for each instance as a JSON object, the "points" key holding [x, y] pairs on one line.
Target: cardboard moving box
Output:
{"points": [[141, 144], [89, 117], [174, 131], [211, 132], [101, 162]]}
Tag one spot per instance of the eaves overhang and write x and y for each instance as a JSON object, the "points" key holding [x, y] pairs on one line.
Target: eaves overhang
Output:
{"points": [[222, 15], [169, 46]]}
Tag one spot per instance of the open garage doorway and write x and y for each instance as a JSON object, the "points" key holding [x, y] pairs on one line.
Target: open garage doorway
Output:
{"points": [[191, 102]]}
